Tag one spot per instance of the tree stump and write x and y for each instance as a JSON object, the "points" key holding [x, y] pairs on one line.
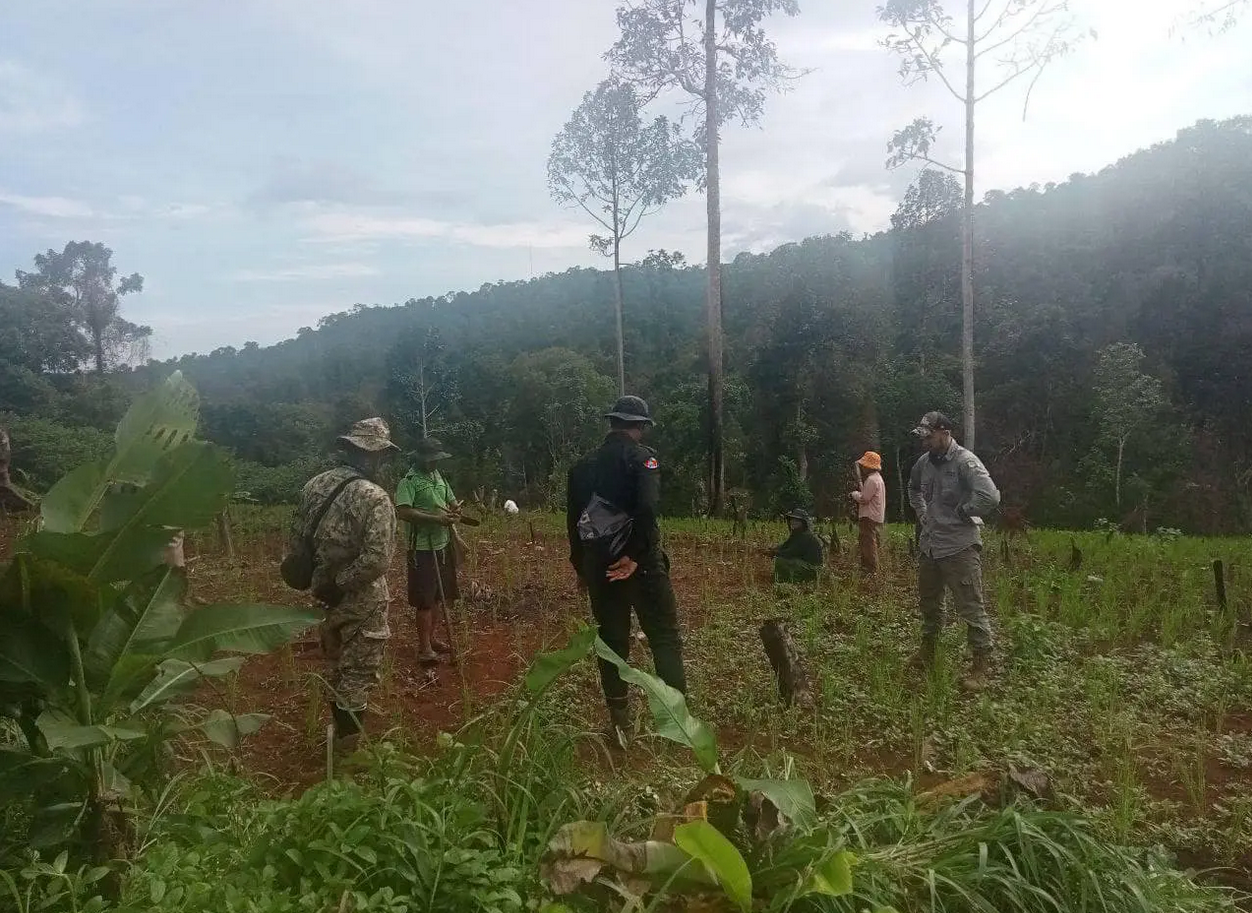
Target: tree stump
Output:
{"points": [[788, 662]]}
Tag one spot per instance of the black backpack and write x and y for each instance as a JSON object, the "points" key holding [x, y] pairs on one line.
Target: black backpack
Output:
{"points": [[297, 568], [604, 530]]}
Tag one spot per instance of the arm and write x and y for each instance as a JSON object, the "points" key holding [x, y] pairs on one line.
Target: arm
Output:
{"points": [[647, 534], [878, 491], [572, 511], [984, 497], [917, 500], [413, 515], [377, 543]]}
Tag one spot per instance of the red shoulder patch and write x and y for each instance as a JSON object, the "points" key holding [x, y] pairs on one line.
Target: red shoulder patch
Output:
{"points": [[651, 463]]}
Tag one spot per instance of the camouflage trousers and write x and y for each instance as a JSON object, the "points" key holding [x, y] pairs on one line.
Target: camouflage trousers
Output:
{"points": [[961, 574], [354, 641]]}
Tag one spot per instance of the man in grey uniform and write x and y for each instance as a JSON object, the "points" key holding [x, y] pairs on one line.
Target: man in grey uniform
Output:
{"points": [[951, 491]]}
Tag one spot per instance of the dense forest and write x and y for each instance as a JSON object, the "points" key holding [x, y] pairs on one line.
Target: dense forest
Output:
{"points": [[1114, 326]]}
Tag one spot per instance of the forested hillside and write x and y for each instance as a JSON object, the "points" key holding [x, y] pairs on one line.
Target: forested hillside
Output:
{"points": [[834, 345]]}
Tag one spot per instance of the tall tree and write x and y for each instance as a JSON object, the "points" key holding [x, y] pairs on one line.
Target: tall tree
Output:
{"points": [[1217, 15], [1024, 36], [82, 277], [716, 53], [1127, 400], [617, 170]]}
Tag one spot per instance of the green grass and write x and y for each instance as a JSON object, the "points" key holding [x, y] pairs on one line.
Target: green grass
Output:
{"points": [[1123, 680]]}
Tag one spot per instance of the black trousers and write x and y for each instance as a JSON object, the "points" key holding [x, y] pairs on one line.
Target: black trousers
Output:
{"points": [[651, 595]]}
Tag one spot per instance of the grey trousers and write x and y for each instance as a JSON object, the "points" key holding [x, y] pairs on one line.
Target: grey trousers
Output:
{"points": [[962, 575]]}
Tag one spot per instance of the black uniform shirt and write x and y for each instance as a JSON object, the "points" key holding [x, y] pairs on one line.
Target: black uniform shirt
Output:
{"points": [[626, 474]]}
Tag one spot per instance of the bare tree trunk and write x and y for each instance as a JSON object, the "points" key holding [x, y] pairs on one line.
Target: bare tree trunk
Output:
{"points": [[1117, 480], [802, 456], [902, 497], [617, 306], [967, 245], [713, 305]]}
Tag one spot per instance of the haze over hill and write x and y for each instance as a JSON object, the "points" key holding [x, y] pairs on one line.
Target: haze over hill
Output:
{"points": [[269, 168]]}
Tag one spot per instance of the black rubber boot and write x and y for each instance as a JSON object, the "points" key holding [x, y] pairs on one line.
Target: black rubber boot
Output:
{"points": [[348, 727], [620, 726], [924, 659]]}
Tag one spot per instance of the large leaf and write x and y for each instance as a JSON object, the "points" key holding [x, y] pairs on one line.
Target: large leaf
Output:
{"points": [[177, 677], [226, 729], [53, 595], [66, 735], [580, 849], [29, 652], [548, 667], [129, 677], [156, 423], [705, 842], [670, 715], [794, 798], [144, 617], [22, 774], [69, 503], [188, 487], [239, 629], [104, 557], [833, 877]]}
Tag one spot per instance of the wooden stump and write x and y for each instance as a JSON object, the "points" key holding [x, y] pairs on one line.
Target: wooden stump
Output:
{"points": [[788, 662]]}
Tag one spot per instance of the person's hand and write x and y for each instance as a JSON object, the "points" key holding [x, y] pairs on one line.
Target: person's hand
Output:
{"points": [[963, 514], [622, 568], [329, 593], [854, 495], [448, 517]]}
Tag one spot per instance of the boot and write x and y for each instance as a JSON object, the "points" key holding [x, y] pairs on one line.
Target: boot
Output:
{"points": [[348, 728], [924, 659], [620, 726], [979, 678]]}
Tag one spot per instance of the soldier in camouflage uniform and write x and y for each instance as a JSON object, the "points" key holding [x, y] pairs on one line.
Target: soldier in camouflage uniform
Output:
{"points": [[951, 491], [352, 550]]}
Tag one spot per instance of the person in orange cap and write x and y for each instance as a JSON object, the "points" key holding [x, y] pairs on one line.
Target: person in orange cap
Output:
{"points": [[871, 501]]}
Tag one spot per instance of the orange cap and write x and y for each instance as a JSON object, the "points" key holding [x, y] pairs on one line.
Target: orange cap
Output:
{"points": [[871, 460]]}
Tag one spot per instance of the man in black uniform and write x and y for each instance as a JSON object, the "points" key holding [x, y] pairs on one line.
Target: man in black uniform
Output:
{"points": [[626, 475]]}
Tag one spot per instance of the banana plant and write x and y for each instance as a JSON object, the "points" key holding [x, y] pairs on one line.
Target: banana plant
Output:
{"points": [[702, 847], [96, 642]]}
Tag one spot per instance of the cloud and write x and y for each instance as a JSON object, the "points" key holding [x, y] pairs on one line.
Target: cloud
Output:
{"points": [[48, 207], [31, 102], [307, 271], [359, 225]]}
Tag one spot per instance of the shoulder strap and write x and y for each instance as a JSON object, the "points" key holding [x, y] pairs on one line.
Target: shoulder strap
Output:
{"points": [[321, 511]]}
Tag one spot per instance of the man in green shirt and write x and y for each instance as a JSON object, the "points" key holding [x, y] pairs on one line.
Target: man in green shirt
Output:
{"points": [[430, 510]]}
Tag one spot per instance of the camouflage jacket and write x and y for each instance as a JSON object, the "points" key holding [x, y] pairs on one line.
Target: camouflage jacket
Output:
{"points": [[355, 541]]}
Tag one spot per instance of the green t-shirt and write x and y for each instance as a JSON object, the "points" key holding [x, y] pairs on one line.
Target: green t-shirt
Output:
{"points": [[426, 491]]}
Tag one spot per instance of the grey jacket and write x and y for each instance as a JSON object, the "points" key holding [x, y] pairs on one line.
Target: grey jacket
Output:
{"points": [[947, 495]]}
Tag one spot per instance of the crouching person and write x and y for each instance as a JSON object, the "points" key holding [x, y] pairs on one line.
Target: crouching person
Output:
{"points": [[800, 557]]}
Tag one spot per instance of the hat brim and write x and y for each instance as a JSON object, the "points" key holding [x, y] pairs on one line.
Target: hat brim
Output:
{"points": [[868, 465], [627, 417], [923, 430], [368, 443]]}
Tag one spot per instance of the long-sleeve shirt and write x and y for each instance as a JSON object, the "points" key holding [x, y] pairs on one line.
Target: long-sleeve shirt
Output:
{"points": [[353, 545], [626, 474], [947, 492], [872, 498]]}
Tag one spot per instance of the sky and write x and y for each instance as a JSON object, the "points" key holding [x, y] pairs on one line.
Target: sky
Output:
{"points": [[264, 163]]}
